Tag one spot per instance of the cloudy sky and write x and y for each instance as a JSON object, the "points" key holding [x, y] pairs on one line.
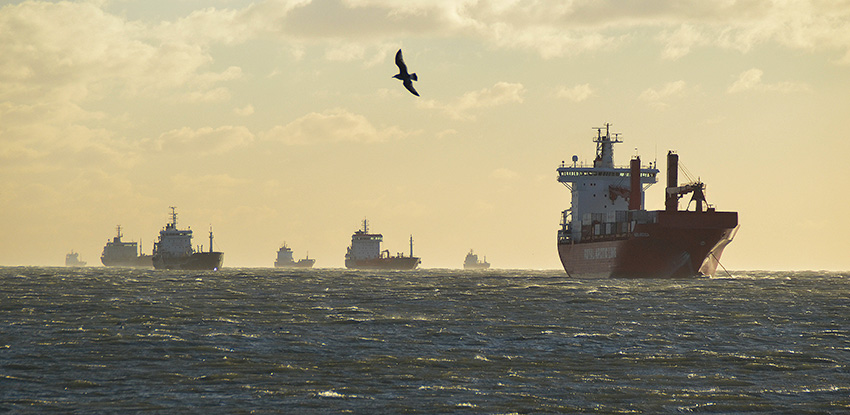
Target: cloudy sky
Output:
{"points": [[275, 120]]}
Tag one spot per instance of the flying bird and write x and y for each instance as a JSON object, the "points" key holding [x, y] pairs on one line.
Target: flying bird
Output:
{"points": [[406, 78]]}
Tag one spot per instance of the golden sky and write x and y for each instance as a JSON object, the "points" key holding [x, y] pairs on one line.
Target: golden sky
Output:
{"points": [[276, 120]]}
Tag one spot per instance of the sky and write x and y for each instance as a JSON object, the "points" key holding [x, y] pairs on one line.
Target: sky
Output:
{"points": [[277, 121]]}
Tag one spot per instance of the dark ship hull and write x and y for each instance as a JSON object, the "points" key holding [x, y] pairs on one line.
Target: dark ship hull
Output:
{"points": [[200, 261], [141, 261], [301, 263], [480, 265], [680, 244], [396, 263]]}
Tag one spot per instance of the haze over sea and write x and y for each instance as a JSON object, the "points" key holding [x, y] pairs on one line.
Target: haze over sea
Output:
{"points": [[91, 340]]}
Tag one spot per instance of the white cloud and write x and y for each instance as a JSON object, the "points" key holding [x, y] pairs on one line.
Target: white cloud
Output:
{"points": [[336, 125], [555, 29], [750, 80], [345, 52], [658, 98], [501, 93], [202, 141], [575, 93], [244, 111], [680, 42], [69, 52]]}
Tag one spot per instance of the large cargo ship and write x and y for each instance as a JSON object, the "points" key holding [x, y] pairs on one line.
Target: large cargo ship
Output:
{"points": [[607, 233], [472, 262], [365, 253], [285, 259], [174, 250], [124, 254]]}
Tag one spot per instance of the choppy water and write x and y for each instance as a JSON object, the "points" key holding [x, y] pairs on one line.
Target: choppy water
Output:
{"points": [[97, 340]]}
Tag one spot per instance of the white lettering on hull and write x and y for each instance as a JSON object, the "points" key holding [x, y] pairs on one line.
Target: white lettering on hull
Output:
{"points": [[601, 253]]}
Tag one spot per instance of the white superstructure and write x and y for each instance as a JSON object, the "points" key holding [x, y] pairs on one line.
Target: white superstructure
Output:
{"points": [[284, 255], [174, 242], [365, 245], [601, 190]]}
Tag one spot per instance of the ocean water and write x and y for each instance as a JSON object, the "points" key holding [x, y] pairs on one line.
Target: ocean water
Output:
{"points": [[98, 340]]}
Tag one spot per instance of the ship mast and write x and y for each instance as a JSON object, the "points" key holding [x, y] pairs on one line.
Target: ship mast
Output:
{"points": [[173, 216], [211, 239], [604, 147], [411, 246]]}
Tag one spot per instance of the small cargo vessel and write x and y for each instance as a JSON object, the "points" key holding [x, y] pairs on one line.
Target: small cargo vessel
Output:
{"points": [[365, 253], [285, 259], [472, 262], [607, 233], [174, 250], [118, 253], [73, 260]]}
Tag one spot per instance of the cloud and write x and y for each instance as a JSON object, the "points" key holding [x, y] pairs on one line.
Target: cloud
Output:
{"points": [[658, 98], [501, 93], [194, 182], [244, 111], [48, 137], [575, 93], [341, 19], [750, 80], [336, 125], [446, 133], [68, 52], [202, 141], [679, 42], [503, 174], [555, 29]]}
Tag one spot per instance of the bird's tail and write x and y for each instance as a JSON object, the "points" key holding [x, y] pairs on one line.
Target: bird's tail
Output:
{"points": [[414, 77]]}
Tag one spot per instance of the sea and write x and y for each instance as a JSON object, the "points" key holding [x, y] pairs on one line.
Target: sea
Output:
{"points": [[240, 340]]}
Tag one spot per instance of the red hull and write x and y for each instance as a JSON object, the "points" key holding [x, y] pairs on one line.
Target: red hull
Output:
{"points": [[681, 244]]}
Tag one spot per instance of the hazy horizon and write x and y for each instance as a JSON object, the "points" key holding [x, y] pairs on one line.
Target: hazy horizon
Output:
{"points": [[278, 121]]}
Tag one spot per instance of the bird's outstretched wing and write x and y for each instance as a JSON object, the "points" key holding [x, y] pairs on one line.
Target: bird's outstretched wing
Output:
{"points": [[399, 61], [409, 85]]}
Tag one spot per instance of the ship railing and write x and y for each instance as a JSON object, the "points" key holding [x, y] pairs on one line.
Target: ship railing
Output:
{"points": [[564, 236], [566, 230], [604, 226]]}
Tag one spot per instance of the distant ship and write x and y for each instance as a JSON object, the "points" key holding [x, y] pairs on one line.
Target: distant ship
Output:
{"points": [[365, 253], [124, 254], [174, 250], [472, 262], [607, 233], [73, 260], [284, 259]]}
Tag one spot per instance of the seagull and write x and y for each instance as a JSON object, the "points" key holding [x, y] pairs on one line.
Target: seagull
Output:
{"points": [[406, 78]]}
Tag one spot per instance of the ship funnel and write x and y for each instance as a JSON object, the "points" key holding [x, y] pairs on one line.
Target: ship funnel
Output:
{"points": [[635, 193], [671, 202]]}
